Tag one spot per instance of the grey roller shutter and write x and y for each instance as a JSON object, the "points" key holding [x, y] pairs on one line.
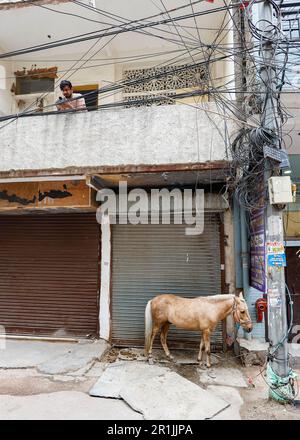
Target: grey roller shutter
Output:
{"points": [[149, 260]]}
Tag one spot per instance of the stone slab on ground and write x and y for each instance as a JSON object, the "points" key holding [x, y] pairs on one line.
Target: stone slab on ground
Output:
{"points": [[64, 405], [157, 392], [118, 375], [79, 357], [232, 396], [231, 377]]}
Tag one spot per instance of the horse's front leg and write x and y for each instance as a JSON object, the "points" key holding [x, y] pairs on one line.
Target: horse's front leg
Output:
{"points": [[163, 340], [206, 337], [200, 350]]}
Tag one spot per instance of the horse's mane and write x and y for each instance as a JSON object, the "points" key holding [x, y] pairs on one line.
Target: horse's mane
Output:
{"points": [[216, 298]]}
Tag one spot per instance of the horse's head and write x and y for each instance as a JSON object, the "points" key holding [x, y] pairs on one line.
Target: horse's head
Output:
{"points": [[241, 313]]}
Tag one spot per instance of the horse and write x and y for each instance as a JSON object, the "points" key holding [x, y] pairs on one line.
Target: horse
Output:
{"points": [[196, 314]]}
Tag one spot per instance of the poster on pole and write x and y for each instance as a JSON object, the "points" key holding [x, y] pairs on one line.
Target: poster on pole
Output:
{"points": [[257, 250]]}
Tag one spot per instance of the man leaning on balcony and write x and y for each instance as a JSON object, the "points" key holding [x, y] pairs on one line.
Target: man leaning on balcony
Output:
{"points": [[71, 100]]}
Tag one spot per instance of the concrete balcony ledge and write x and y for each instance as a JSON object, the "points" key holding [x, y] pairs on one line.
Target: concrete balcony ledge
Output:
{"points": [[151, 136]]}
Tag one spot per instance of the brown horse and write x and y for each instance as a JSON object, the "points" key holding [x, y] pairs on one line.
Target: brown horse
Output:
{"points": [[197, 314]]}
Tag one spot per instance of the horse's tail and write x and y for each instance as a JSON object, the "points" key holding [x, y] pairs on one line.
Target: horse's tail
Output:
{"points": [[148, 327]]}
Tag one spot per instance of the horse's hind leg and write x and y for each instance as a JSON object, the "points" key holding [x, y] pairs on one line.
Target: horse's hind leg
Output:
{"points": [[155, 329], [200, 349], [163, 339], [206, 337]]}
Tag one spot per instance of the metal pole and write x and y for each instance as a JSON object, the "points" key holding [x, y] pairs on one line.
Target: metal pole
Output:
{"points": [[277, 317]]}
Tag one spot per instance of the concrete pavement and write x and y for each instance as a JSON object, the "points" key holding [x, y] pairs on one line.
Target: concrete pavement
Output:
{"points": [[64, 405], [51, 380], [51, 357]]}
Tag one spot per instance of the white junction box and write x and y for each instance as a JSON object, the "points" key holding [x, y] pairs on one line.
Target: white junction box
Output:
{"points": [[280, 190]]}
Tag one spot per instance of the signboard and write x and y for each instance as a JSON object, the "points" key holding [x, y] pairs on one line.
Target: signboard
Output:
{"points": [[276, 254], [257, 250], [278, 155], [278, 260], [45, 195]]}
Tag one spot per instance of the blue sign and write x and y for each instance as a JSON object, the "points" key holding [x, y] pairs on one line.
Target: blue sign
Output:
{"points": [[278, 260]]}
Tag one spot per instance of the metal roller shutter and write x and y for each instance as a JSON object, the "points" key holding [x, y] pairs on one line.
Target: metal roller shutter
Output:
{"points": [[149, 260], [49, 274]]}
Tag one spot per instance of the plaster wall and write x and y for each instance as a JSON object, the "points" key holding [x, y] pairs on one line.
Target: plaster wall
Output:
{"points": [[151, 135]]}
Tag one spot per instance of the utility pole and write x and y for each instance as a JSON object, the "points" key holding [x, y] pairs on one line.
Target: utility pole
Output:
{"points": [[264, 191], [278, 371]]}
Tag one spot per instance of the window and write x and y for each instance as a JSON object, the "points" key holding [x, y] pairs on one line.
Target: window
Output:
{"points": [[91, 101], [26, 85]]}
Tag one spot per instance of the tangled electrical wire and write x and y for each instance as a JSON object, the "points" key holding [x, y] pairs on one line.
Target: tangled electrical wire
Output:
{"points": [[248, 164]]}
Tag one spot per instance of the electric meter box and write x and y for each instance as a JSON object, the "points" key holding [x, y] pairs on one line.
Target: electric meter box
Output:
{"points": [[280, 190]]}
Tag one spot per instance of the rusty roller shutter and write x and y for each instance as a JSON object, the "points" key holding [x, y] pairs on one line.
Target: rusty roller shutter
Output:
{"points": [[149, 260], [49, 274]]}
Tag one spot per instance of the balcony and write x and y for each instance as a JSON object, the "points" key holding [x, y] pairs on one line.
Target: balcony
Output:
{"points": [[148, 136]]}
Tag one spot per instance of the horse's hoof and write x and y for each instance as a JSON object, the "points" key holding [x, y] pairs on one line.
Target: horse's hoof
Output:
{"points": [[202, 366], [150, 361], [170, 357]]}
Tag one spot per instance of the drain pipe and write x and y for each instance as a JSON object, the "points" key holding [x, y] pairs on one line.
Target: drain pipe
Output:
{"points": [[242, 255], [245, 260]]}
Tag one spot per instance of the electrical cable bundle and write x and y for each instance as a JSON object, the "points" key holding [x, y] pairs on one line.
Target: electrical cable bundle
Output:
{"points": [[247, 149]]}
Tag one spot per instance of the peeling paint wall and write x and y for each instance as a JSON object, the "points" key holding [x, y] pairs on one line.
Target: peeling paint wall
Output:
{"points": [[153, 135]]}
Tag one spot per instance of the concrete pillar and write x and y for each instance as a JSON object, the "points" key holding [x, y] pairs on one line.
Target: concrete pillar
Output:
{"points": [[104, 315]]}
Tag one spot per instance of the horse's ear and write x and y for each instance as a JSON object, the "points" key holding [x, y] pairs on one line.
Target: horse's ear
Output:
{"points": [[241, 295]]}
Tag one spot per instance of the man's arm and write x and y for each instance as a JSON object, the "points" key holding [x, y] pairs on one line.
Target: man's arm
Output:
{"points": [[65, 106]]}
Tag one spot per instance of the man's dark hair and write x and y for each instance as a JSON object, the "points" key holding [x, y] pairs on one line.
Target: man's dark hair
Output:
{"points": [[65, 83]]}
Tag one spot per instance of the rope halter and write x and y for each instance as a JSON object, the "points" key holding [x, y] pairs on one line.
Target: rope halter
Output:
{"points": [[236, 317]]}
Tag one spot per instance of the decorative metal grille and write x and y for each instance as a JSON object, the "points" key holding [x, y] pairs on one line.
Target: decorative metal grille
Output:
{"points": [[148, 100], [156, 82]]}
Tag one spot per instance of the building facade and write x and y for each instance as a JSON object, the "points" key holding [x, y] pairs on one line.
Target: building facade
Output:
{"points": [[62, 273]]}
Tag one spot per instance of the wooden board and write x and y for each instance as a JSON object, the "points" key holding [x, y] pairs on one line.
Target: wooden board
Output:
{"points": [[18, 195], [68, 193], [45, 195]]}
